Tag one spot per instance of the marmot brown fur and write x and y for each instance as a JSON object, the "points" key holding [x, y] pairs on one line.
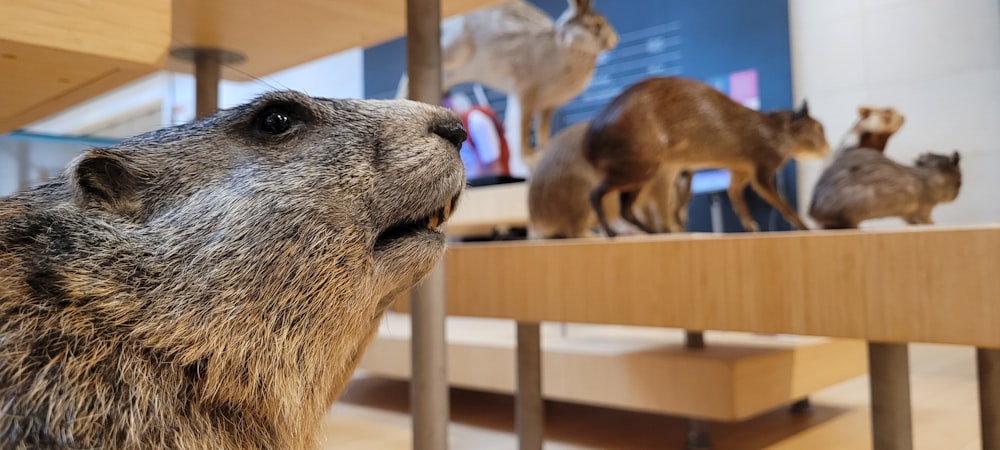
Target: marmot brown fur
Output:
{"points": [[213, 285]]}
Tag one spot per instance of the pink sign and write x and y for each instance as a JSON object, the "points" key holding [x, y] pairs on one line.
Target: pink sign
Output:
{"points": [[743, 88]]}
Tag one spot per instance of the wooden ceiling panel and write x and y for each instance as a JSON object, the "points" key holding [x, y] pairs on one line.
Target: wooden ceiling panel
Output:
{"points": [[275, 36], [55, 53], [128, 30]]}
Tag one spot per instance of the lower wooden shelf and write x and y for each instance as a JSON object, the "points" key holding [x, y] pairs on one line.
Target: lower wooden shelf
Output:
{"points": [[737, 375]]}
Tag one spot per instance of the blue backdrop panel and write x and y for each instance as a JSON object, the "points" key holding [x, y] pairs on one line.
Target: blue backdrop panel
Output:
{"points": [[712, 40]]}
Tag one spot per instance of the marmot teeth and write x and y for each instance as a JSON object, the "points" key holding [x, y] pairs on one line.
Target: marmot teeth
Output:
{"points": [[437, 219], [442, 215]]}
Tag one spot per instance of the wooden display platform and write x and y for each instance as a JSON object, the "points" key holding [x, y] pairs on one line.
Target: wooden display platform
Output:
{"points": [[914, 284], [889, 287], [737, 376]]}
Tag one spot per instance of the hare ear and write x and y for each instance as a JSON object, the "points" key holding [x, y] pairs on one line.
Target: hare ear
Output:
{"points": [[580, 6], [955, 158]]}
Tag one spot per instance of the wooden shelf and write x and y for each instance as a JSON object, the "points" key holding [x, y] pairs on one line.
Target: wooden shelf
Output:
{"points": [[483, 209], [54, 54], [916, 284], [737, 376]]}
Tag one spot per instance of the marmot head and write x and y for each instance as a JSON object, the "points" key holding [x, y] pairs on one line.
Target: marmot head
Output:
{"points": [[225, 274], [372, 180]]}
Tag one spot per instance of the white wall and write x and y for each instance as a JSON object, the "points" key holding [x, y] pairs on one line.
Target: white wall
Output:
{"points": [[118, 103], [937, 61], [10, 170]]}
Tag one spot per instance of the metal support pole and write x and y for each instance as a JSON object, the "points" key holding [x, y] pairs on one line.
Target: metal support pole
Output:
{"points": [[530, 408], [697, 435], [988, 365], [697, 429], [207, 74], [429, 383], [429, 387], [208, 64], [694, 340], [889, 372]]}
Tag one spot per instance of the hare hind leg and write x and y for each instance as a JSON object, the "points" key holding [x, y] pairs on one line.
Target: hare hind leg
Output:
{"points": [[543, 128], [528, 155]]}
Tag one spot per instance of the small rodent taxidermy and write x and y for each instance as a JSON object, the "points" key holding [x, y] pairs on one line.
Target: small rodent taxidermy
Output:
{"points": [[863, 184]]}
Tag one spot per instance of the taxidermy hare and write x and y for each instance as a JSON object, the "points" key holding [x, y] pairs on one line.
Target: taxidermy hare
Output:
{"points": [[517, 49]]}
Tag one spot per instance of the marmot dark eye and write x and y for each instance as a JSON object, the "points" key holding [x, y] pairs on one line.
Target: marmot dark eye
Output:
{"points": [[276, 123]]}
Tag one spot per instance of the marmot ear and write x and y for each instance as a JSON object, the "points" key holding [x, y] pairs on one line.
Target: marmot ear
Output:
{"points": [[864, 111], [106, 179], [955, 158]]}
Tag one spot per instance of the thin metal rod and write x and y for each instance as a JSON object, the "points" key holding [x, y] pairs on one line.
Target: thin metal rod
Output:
{"points": [[889, 371], [694, 339], [429, 388], [207, 74], [988, 365], [697, 435], [530, 408]]}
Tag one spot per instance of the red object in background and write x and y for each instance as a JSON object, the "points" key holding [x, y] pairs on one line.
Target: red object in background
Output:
{"points": [[498, 167]]}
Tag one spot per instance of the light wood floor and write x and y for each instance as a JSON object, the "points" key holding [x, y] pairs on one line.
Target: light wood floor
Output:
{"points": [[373, 415]]}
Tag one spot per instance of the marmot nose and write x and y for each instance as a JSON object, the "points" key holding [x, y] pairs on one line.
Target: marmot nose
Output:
{"points": [[451, 131]]}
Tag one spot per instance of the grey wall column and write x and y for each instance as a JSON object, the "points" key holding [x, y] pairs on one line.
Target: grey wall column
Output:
{"points": [[429, 383]]}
